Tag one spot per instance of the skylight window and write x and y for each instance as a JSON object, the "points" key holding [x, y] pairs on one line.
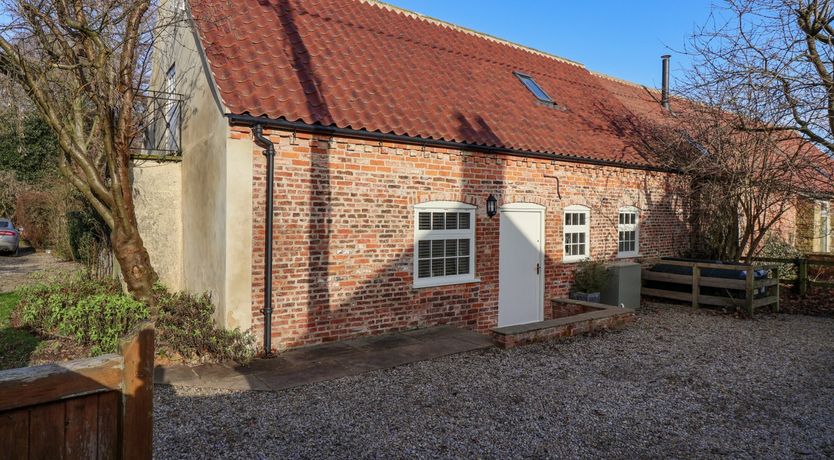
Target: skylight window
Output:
{"points": [[534, 87]]}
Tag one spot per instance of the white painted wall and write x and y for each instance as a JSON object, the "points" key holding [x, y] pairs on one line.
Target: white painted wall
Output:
{"points": [[157, 198], [215, 177]]}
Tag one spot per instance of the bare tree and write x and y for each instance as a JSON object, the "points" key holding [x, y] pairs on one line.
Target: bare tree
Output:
{"points": [[82, 64], [771, 61], [754, 108], [741, 177]]}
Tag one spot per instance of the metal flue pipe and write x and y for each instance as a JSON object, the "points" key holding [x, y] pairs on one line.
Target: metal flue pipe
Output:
{"points": [[664, 92]]}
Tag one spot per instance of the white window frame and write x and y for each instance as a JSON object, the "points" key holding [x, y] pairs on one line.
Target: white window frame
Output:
{"points": [[422, 235], [586, 229], [825, 226], [635, 227]]}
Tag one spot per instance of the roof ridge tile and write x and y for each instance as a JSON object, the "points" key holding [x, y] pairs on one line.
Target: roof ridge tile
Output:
{"points": [[467, 30]]}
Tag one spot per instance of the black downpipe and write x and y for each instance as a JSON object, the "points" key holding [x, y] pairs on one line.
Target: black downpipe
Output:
{"points": [[269, 152]]}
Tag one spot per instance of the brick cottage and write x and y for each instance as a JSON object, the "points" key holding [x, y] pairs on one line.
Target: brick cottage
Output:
{"points": [[392, 134]]}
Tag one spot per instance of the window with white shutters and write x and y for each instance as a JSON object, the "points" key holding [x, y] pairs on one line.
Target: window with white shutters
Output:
{"points": [[444, 243]]}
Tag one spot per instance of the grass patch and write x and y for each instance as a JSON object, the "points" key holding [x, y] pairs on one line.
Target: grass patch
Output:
{"points": [[16, 345]]}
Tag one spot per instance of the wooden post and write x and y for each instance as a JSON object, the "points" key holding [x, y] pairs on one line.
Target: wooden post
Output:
{"points": [[137, 393], [775, 271], [802, 275], [751, 278], [696, 285]]}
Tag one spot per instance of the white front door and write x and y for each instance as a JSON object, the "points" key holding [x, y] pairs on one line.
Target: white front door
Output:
{"points": [[521, 264]]}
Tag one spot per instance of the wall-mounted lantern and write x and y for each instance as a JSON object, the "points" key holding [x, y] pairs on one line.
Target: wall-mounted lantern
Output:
{"points": [[492, 205]]}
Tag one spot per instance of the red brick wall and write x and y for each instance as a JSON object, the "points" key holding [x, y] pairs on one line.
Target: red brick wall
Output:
{"points": [[344, 230], [786, 228]]}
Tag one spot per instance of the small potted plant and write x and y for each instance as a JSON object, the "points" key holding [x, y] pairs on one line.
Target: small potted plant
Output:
{"points": [[590, 279]]}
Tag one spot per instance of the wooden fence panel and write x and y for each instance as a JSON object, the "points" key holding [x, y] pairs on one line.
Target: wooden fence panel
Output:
{"points": [[86, 409], [802, 264], [28, 386], [108, 425], [46, 431], [82, 427], [14, 434]]}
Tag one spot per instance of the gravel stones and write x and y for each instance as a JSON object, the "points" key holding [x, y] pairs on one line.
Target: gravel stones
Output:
{"points": [[680, 383]]}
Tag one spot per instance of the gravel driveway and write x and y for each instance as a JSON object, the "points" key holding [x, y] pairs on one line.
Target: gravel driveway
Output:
{"points": [[679, 383], [18, 271]]}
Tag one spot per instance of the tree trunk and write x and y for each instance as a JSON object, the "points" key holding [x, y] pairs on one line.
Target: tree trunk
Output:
{"points": [[695, 221], [135, 263], [732, 239]]}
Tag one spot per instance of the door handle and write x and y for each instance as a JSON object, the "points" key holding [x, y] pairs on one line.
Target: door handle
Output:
{"points": [[538, 268]]}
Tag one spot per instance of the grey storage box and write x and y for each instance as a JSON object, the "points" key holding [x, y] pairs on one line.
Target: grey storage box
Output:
{"points": [[623, 288]]}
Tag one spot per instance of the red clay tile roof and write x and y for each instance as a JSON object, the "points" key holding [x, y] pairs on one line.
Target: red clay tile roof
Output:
{"points": [[638, 99], [359, 65], [644, 102]]}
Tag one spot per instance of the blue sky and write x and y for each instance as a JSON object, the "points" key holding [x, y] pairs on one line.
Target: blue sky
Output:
{"points": [[621, 38]]}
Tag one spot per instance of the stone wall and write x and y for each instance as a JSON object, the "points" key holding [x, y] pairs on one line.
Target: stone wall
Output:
{"points": [[589, 318]]}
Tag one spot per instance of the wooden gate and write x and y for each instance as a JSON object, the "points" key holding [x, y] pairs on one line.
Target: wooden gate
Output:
{"points": [[97, 408]]}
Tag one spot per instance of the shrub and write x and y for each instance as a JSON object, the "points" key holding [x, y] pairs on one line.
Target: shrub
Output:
{"points": [[89, 241], [101, 319], [34, 213], [186, 327], [42, 304], [590, 276], [42, 210], [8, 193], [95, 313], [28, 147], [779, 248]]}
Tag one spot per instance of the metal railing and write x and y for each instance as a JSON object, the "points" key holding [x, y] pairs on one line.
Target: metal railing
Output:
{"points": [[160, 121]]}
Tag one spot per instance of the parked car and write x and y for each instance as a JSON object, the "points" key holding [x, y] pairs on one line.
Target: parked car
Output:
{"points": [[9, 237]]}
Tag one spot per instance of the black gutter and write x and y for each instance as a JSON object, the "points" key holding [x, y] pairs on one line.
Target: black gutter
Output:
{"points": [[269, 152], [249, 120]]}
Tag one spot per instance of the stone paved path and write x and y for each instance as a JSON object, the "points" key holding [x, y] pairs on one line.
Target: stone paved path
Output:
{"points": [[327, 362]]}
